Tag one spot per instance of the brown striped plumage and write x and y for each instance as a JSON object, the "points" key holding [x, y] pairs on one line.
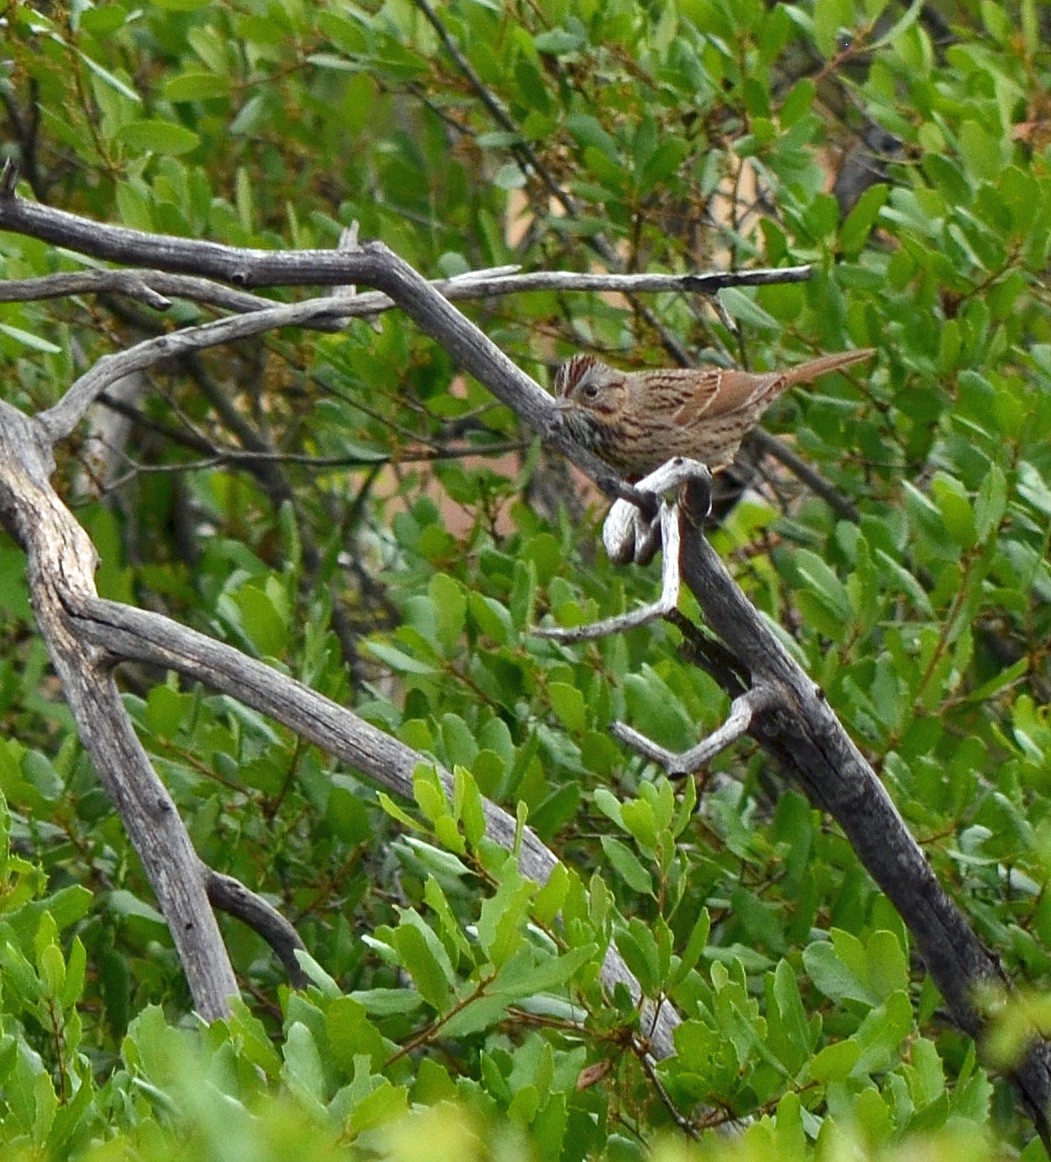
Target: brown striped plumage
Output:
{"points": [[636, 420]]}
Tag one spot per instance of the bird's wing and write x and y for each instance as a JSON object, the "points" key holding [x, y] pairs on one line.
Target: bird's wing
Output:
{"points": [[723, 390]]}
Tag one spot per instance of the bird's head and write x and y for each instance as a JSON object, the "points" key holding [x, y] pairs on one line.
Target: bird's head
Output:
{"points": [[584, 383]]}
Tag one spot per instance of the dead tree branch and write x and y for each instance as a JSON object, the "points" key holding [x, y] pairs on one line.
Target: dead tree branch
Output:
{"points": [[797, 725], [88, 637], [135, 635], [156, 288], [61, 567], [232, 897], [802, 732]]}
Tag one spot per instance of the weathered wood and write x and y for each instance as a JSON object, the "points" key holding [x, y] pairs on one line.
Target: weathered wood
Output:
{"points": [[373, 264], [130, 634], [61, 565], [86, 636], [811, 745]]}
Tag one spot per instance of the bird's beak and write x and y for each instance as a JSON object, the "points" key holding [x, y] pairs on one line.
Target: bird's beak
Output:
{"points": [[562, 404]]}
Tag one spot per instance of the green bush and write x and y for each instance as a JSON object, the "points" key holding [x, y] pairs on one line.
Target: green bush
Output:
{"points": [[394, 554]]}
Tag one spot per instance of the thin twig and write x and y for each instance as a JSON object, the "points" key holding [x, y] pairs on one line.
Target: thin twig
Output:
{"points": [[221, 458], [157, 287], [230, 895], [841, 505], [687, 1125], [743, 711], [499, 113]]}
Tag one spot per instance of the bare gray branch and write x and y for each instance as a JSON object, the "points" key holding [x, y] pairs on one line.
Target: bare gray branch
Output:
{"points": [[801, 730], [743, 711], [233, 897], [155, 288], [61, 574], [128, 634]]}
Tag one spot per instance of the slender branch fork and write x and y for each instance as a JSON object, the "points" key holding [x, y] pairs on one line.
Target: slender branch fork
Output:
{"points": [[156, 288], [86, 636]]}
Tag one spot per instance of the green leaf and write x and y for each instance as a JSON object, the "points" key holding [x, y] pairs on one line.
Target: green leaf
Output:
{"points": [[696, 944], [1032, 487], [981, 150], [568, 704], [347, 815], [662, 165], [759, 921], [166, 709], [396, 812], [789, 1030], [426, 961], [14, 592], [450, 605], [641, 822], [398, 660], [503, 917], [859, 223], [383, 1105], [525, 976], [639, 949], [558, 42], [887, 963], [302, 1071], [28, 339], [543, 558], [318, 977], [450, 931], [461, 745], [350, 1032], [835, 1062], [908, 583], [197, 86], [991, 502], [156, 136], [102, 20], [75, 974], [832, 18], [110, 79], [825, 585], [468, 805], [51, 967], [491, 617], [1005, 678], [839, 969], [742, 307], [881, 1034], [551, 896], [955, 506], [609, 805], [484, 1011], [587, 131], [387, 1002], [627, 865], [440, 861], [901, 25]]}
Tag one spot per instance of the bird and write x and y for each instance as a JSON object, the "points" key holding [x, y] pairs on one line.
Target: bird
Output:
{"points": [[637, 420]]}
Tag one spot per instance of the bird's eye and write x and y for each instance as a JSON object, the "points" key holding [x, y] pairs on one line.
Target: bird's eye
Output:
{"points": [[590, 391]]}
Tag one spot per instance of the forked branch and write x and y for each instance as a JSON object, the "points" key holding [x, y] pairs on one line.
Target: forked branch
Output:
{"points": [[88, 637], [743, 712], [799, 728]]}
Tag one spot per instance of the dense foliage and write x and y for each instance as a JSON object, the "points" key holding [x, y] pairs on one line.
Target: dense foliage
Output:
{"points": [[397, 550]]}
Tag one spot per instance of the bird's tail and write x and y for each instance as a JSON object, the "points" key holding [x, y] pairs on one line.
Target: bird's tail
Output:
{"points": [[806, 372]]}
